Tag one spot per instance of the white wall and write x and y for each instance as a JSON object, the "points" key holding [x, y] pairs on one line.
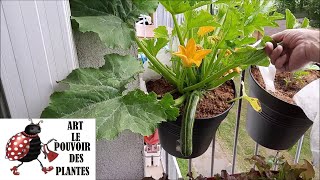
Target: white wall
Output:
{"points": [[163, 18], [37, 50]]}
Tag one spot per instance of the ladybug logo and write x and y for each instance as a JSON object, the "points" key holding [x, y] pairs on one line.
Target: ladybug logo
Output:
{"points": [[26, 146]]}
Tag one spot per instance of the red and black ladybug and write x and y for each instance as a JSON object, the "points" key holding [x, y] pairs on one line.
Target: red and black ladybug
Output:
{"points": [[26, 147]]}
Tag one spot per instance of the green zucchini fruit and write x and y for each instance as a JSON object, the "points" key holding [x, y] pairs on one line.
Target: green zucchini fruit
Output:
{"points": [[188, 122]]}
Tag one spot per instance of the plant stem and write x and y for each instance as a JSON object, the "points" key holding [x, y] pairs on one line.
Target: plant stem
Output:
{"points": [[191, 75], [181, 80], [210, 78], [222, 80], [180, 100], [215, 50], [176, 26], [235, 99], [165, 72]]}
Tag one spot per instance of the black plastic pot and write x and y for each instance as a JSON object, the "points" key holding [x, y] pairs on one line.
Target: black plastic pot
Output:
{"points": [[280, 124], [204, 131]]}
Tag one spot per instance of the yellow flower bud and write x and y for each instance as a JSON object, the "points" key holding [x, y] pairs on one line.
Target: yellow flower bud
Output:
{"points": [[237, 69], [213, 39], [228, 52], [205, 30], [198, 47]]}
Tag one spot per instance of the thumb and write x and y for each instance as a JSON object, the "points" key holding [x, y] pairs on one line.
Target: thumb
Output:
{"points": [[278, 37]]}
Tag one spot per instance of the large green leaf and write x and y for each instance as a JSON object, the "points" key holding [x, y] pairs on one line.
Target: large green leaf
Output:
{"points": [[113, 32], [113, 20], [98, 93], [127, 10], [258, 14]]}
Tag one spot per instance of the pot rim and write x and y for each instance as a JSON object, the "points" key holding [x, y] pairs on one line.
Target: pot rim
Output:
{"points": [[268, 91]]}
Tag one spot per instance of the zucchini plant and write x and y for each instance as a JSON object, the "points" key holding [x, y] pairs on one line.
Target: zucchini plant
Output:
{"points": [[212, 50]]}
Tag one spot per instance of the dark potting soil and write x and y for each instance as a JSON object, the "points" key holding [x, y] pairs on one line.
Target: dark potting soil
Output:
{"points": [[283, 91], [212, 103]]}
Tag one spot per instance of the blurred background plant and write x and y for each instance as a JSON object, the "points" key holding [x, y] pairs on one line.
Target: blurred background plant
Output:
{"points": [[302, 8]]}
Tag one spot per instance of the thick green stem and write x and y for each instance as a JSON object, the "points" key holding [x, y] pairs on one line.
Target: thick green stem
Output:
{"points": [[176, 26], [191, 75], [202, 83], [180, 100], [222, 80], [165, 72], [181, 80], [215, 50]]}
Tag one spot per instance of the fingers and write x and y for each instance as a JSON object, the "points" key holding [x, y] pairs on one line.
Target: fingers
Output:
{"points": [[281, 61], [278, 37], [297, 59], [269, 48], [276, 53]]}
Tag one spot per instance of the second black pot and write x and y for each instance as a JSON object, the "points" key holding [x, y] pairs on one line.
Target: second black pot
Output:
{"points": [[204, 131], [280, 124]]}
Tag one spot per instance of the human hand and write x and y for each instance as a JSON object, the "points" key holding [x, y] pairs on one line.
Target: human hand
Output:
{"points": [[299, 47]]}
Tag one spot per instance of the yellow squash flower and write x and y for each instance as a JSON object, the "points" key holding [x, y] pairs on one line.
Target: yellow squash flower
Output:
{"points": [[190, 55], [205, 30]]}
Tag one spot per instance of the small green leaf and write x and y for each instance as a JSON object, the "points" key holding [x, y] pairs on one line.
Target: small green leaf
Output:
{"points": [[113, 32], [155, 45], [161, 32], [181, 6], [176, 7], [167, 102], [291, 20], [201, 18], [305, 23]]}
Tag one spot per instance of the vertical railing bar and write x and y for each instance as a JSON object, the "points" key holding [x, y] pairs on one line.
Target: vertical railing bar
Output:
{"points": [[237, 124], [298, 152], [276, 161], [167, 163], [212, 156], [256, 149], [189, 166]]}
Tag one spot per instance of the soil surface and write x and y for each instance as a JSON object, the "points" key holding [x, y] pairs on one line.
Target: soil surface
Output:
{"points": [[212, 103], [286, 91]]}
